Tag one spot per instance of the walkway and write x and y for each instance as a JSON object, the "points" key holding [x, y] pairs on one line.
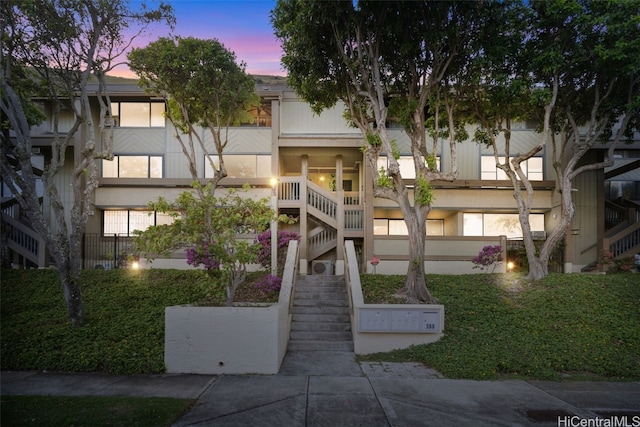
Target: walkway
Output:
{"points": [[379, 394]]}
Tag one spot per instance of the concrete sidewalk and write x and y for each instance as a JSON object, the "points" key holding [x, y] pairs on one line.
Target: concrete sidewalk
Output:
{"points": [[306, 393]]}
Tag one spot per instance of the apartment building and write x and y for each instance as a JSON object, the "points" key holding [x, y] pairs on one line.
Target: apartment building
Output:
{"points": [[323, 181]]}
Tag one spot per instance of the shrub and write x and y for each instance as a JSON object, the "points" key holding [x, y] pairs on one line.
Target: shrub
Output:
{"points": [[488, 257], [269, 284], [264, 239]]}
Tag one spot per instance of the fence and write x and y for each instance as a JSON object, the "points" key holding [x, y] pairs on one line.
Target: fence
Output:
{"points": [[100, 251]]}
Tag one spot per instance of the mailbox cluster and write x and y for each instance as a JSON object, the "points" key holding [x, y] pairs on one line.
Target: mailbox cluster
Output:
{"points": [[399, 320]]}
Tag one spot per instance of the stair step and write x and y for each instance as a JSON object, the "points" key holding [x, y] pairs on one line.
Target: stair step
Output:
{"points": [[321, 318], [314, 345], [319, 310], [299, 302], [321, 326], [320, 335], [321, 292]]}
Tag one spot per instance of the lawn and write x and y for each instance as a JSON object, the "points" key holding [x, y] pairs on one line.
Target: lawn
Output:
{"points": [[124, 329], [567, 326], [496, 326], [45, 411]]}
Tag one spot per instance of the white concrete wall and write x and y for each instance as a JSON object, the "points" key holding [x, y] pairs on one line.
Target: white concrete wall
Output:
{"points": [[374, 342], [221, 340], [433, 267], [231, 340]]}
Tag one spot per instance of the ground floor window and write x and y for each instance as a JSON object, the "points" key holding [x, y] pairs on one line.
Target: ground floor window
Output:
{"points": [[398, 227], [489, 224], [124, 222]]}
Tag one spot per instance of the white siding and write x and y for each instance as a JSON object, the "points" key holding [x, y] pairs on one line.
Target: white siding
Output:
{"points": [[297, 118]]}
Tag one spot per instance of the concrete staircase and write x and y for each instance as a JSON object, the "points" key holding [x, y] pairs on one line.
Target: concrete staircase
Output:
{"points": [[320, 315]]}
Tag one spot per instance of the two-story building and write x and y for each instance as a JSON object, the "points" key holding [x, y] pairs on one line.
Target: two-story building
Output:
{"points": [[325, 183]]}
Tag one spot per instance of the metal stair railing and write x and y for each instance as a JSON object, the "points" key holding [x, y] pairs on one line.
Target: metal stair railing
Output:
{"points": [[626, 243], [321, 240], [25, 241]]}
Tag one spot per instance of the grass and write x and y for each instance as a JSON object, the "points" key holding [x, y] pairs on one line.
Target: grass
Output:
{"points": [[124, 329], [567, 326], [496, 326], [92, 411]]}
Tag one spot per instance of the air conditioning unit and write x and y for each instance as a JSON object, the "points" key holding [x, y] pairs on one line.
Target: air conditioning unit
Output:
{"points": [[322, 268], [539, 235]]}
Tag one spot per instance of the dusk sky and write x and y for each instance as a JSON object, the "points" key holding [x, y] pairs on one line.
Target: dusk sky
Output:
{"points": [[243, 27]]}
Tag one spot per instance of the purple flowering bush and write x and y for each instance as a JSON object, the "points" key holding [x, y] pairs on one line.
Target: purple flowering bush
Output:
{"points": [[201, 254], [269, 284], [488, 257], [264, 240]]}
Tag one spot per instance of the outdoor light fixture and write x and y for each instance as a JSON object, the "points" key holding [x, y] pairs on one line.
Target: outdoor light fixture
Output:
{"points": [[510, 265], [135, 265]]}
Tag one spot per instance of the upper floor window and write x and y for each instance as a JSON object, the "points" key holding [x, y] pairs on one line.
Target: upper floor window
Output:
{"points": [[132, 167], [398, 227], [261, 115], [242, 166], [407, 169], [138, 114], [533, 169]]}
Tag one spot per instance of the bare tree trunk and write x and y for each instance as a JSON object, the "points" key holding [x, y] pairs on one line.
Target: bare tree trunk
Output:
{"points": [[415, 287], [72, 294]]}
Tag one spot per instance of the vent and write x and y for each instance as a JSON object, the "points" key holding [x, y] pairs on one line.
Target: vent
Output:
{"points": [[322, 268], [539, 235]]}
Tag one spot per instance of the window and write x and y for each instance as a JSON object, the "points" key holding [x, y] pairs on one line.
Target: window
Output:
{"points": [[241, 166], [532, 167], [261, 115], [125, 222], [485, 224], [407, 170], [398, 227], [138, 114], [132, 167]]}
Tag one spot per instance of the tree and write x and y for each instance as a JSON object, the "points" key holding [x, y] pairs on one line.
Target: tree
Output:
{"points": [[576, 69], [388, 62], [211, 229], [203, 86], [63, 49]]}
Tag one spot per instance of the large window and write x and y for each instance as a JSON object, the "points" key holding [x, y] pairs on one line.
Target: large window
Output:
{"points": [[132, 167], [485, 224], [241, 166], [533, 169], [138, 114], [407, 169], [125, 222], [261, 115], [398, 227]]}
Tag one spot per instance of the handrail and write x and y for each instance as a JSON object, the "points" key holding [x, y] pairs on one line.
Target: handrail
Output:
{"points": [[322, 200], [25, 241], [289, 275], [625, 243]]}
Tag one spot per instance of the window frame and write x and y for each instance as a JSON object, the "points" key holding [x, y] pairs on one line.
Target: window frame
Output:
{"points": [[500, 175], [158, 219], [153, 121], [118, 174]]}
